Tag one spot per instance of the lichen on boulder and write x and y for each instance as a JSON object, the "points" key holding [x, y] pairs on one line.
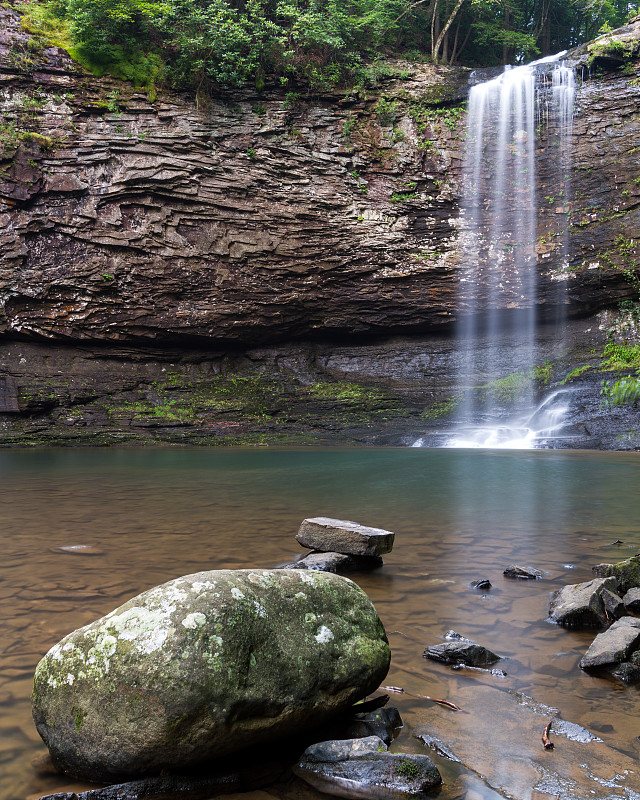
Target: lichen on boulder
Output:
{"points": [[205, 665]]}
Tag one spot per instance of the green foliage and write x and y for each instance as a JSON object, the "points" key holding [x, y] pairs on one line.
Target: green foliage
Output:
{"points": [[386, 111], [575, 373], [621, 356], [624, 391], [444, 408]]}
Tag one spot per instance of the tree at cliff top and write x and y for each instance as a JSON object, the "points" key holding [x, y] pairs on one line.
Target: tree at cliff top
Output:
{"points": [[320, 43]]}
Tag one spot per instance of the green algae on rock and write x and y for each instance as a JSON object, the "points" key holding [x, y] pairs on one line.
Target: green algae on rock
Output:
{"points": [[205, 665]]}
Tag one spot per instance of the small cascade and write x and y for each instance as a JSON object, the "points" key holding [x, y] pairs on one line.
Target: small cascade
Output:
{"points": [[498, 285]]}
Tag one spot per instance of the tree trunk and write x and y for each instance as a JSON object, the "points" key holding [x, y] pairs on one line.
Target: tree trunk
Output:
{"points": [[436, 48]]}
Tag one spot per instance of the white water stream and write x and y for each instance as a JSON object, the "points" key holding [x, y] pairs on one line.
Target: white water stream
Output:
{"points": [[498, 285]]}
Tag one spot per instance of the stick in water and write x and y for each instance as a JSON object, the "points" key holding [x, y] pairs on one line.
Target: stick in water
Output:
{"points": [[548, 745], [400, 690]]}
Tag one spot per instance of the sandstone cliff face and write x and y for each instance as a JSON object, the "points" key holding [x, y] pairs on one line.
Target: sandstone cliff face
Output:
{"points": [[260, 219]]}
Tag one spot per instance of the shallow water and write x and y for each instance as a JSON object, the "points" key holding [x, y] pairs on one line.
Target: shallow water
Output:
{"points": [[458, 515]]}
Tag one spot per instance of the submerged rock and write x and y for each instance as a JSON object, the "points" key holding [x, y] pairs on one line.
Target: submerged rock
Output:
{"points": [[362, 768], [522, 573], [342, 536], [581, 604], [613, 645], [627, 672], [461, 652], [205, 665], [336, 562]]}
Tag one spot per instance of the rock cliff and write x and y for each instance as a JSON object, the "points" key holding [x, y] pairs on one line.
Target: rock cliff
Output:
{"points": [[272, 217]]}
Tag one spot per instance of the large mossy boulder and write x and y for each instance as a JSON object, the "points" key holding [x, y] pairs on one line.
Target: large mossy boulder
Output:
{"points": [[203, 666]]}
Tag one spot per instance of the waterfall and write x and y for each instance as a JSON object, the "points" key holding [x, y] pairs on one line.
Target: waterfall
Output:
{"points": [[498, 281]]}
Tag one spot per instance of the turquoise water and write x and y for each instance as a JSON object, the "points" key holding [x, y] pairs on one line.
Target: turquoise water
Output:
{"points": [[152, 515]]}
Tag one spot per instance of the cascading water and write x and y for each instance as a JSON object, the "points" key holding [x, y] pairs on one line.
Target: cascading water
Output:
{"points": [[498, 285]]}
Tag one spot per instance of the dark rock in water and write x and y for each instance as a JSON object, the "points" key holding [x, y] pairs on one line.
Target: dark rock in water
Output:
{"points": [[631, 600], [497, 673], [627, 672], [483, 583], [336, 562], [627, 572], [613, 604], [342, 536], [362, 768], [184, 787], [581, 604], [433, 743], [383, 723], [203, 666], [464, 652], [614, 645], [522, 573]]}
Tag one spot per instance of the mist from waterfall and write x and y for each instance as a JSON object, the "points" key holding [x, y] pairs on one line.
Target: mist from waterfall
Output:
{"points": [[498, 283]]}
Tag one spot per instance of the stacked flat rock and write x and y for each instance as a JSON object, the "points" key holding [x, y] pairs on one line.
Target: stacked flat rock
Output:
{"points": [[339, 545]]}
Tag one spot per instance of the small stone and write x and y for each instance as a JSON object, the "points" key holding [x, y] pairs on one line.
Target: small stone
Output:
{"points": [[522, 573], [482, 583], [581, 604], [469, 653], [614, 645], [363, 769], [336, 562], [631, 600], [342, 536]]}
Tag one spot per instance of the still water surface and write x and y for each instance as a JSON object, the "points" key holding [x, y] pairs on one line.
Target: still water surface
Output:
{"points": [[458, 516]]}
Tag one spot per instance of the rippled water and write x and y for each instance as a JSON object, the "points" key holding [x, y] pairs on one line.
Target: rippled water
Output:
{"points": [[458, 515]]}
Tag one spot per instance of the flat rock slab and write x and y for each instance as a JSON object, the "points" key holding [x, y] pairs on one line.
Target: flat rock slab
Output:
{"points": [[614, 645], [461, 652], [499, 738], [580, 605], [342, 536], [361, 768], [336, 562]]}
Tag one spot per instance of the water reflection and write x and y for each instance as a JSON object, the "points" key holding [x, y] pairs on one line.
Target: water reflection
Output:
{"points": [[459, 515]]}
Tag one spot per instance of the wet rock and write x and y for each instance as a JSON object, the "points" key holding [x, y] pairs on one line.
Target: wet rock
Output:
{"points": [[454, 636], [483, 583], [631, 600], [461, 652], [205, 665], [627, 672], [581, 604], [613, 605], [186, 787], [326, 534], [500, 739], [336, 562], [433, 743], [627, 572], [362, 768], [496, 673], [613, 645], [522, 573], [383, 723]]}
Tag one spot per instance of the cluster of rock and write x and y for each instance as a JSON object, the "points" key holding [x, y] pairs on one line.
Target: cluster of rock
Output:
{"points": [[339, 545], [608, 601], [210, 664]]}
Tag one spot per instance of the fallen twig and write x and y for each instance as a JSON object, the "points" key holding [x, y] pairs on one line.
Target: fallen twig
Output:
{"points": [[400, 690], [548, 745]]}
